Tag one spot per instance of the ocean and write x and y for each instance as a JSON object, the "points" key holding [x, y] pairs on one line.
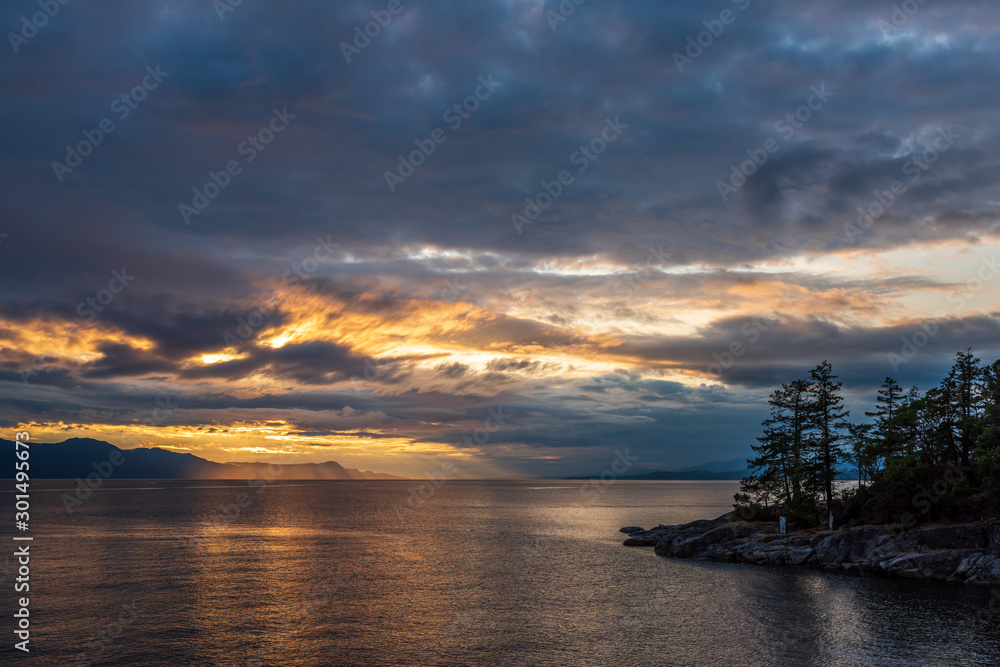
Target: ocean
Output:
{"points": [[458, 573]]}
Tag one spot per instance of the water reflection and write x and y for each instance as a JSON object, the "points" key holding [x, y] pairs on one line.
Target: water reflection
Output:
{"points": [[324, 573]]}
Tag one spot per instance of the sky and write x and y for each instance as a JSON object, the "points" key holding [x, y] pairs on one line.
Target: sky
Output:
{"points": [[492, 238]]}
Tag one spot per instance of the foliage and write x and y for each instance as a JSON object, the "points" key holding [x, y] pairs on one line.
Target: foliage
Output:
{"points": [[920, 457]]}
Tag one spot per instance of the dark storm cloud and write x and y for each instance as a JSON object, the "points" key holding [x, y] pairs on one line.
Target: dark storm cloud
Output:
{"points": [[325, 172], [761, 352]]}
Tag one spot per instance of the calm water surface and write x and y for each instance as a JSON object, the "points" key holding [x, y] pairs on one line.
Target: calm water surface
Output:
{"points": [[482, 573]]}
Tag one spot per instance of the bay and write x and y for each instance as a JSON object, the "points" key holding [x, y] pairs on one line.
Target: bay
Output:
{"points": [[463, 573]]}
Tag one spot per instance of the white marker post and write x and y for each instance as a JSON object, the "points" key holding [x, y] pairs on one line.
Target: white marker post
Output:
{"points": [[782, 524]]}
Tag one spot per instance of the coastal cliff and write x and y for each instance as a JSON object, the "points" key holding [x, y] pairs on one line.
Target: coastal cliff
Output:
{"points": [[963, 553]]}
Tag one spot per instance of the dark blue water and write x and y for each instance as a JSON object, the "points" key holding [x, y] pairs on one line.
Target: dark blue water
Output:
{"points": [[496, 573]]}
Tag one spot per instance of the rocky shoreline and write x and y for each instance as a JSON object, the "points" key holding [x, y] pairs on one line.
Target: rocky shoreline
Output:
{"points": [[963, 553]]}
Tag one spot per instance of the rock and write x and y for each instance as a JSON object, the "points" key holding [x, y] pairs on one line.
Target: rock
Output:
{"points": [[968, 564], [720, 553], [993, 536], [788, 552], [958, 552], [851, 546], [838, 509], [961, 536], [929, 565], [693, 546], [980, 570], [646, 538], [631, 529]]}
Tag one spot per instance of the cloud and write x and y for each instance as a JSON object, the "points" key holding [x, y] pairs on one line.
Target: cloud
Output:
{"points": [[420, 309]]}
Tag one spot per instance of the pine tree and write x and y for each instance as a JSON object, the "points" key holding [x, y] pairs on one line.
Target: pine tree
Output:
{"points": [[771, 460], [781, 450], [965, 381], [885, 432], [989, 437], [927, 425], [757, 492], [863, 450], [921, 439], [828, 417]]}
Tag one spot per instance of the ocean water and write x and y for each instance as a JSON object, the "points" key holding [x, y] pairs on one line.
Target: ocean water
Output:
{"points": [[479, 573]]}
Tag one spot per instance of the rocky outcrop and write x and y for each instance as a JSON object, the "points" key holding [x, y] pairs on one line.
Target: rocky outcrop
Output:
{"points": [[966, 553]]}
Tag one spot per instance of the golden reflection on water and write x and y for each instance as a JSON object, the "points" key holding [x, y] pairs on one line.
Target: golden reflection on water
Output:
{"points": [[480, 574]]}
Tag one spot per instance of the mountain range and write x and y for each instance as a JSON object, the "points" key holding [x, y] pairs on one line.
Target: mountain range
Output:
{"points": [[79, 457], [734, 469]]}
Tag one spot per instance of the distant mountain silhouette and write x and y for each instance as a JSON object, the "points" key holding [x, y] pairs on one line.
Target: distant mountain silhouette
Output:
{"points": [[77, 457], [719, 466], [734, 469], [679, 475]]}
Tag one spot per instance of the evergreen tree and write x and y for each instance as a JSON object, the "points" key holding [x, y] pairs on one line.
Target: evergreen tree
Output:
{"points": [[828, 418], [989, 436], [781, 450], [920, 440], [965, 381], [757, 492], [863, 450], [890, 397], [988, 452]]}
